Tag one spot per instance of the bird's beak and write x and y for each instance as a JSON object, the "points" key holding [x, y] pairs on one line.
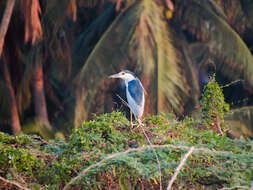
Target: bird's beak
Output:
{"points": [[114, 76]]}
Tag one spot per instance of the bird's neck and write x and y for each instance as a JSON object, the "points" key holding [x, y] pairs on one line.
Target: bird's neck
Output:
{"points": [[127, 81]]}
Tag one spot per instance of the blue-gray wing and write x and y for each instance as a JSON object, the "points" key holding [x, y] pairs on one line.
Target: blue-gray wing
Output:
{"points": [[136, 91]]}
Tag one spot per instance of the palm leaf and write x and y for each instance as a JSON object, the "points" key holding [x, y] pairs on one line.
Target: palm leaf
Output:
{"points": [[236, 14], [222, 41], [88, 39], [189, 73], [138, 39]]}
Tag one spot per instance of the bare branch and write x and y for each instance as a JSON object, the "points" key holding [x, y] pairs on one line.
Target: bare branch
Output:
{"points": [[123, 101], [231, 83], [98, 164], [14, 183], [179, 168], [197, 150]]}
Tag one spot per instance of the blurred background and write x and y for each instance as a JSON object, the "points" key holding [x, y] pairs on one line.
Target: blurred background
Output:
{"points": [[57, 54]]}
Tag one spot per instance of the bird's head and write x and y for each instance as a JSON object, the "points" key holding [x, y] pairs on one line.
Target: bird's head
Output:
{"points": [[125, 75]]}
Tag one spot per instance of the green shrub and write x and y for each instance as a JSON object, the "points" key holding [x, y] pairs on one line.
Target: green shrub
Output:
{"points": [[227, 162], [213, 105]]}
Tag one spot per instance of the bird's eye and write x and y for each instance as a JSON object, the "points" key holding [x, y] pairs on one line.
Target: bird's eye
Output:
{"points": [[123, 73]]}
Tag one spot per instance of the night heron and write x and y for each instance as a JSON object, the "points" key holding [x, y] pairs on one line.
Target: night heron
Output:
{"points": [[134, 92]]}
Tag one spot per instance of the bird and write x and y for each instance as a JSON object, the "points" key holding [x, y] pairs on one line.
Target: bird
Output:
{"points": [[134, 92]]}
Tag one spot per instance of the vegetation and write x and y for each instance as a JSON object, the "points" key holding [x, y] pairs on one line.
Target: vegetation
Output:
{"points": [[213, 105], [62, 45], [53, 81], [217, 161]]}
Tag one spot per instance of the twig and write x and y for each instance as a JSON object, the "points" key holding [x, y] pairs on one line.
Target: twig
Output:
{"points": [[156, 156], [219, 127], [97, 165], [233, 82], [36, 137], [14, 183], [196, 150], [236, 187], [104, 160], [146, 136], [17, 176], [123, 101], [179, 168]]}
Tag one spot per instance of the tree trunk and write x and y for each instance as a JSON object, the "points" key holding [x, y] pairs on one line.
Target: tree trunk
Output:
{"points": [[39, 94], [15, 122], [5, 22]]}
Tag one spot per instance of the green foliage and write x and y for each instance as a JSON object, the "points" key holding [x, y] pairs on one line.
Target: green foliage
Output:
{"points": [[52, 164], [107, 134], [15, 156], [213, 104]]}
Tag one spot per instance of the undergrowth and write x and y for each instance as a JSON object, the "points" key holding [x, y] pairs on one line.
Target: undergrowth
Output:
{"points": [[36, 163]]}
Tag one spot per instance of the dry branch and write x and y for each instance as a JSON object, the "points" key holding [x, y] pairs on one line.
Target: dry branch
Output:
{"points": [[196, 150], [179, 168], [14, 183]]}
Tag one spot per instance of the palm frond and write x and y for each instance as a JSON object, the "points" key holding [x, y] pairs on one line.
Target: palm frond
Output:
{"points": [[222, 40], [138, 39], [214, 7], [236, 15], [90, 36], [188, 71]]}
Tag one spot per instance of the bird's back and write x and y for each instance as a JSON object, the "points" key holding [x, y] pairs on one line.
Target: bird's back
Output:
{"points": [[135, 97]]}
